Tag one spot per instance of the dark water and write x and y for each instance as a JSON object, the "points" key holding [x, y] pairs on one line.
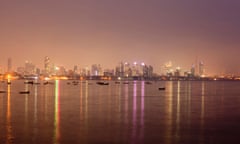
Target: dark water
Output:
{"points": [[135, 113]]}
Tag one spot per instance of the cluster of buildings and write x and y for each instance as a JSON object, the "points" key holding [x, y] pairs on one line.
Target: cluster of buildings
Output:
{"points": [[135, 70], [197, 70]]}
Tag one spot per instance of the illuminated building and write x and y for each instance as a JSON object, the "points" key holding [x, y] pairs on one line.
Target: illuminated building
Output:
{"points": [[75, 69], [96, 70], [147, 71], [47, 65], [108, 72], [177, 72], [127, 70], [201, 68], [120, 70], [150, 71], [193, 70], [29, 68], [168, 68], [60, 71], [135, 69]]}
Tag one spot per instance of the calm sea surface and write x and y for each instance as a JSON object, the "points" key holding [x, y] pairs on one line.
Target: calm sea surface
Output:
{"points": [[187, 112]]}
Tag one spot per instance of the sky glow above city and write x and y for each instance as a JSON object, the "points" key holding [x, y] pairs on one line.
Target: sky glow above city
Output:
{"points": [[105, 32]]}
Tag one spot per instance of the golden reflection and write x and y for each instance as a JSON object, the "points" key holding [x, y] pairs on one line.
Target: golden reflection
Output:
{"points": [[57, 113], [26, 111], [202, 102], [126, 104], [86, 107], [35, 112], [169, 104], [202, 110], [9, 126], [178, 107], [86, 100], [26, 105], [81, 100], [189, 100], [119, 98]]}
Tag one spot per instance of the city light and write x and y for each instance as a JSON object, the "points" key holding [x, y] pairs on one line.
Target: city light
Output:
{"points": [[123, 70]]}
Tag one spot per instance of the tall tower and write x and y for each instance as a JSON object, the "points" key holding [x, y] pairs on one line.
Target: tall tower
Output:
{"points": [[193, 70], [9, 64], [47, 65], [201, 68]]}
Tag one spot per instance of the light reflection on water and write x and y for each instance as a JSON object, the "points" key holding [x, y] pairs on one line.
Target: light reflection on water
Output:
{"points": [[9, 126], [169, 106], [186, 112], [57, 113]]}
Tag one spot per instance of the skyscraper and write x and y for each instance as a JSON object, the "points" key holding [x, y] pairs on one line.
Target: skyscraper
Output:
{"points": [[201, 68], [47, 65], [9, 68], [29, 68], [193, 70]]}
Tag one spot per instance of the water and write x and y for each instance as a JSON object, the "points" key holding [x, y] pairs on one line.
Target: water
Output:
{"points": [[136, 113]]}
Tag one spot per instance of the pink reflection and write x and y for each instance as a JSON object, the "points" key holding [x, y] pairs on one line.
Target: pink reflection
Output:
{"points": [[142, 101], [142, 109]]}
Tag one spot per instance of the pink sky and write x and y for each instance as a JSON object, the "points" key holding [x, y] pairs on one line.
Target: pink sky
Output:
{"points": [[106, 32]]}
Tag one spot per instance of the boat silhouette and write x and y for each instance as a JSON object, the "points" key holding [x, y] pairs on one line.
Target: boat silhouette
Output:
{"points": [[103, 83], [24, 92], [2, 91], [161, 88]]}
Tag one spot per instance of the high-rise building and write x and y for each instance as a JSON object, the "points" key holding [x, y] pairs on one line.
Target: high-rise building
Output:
{"points": [[135, 69], [177, 72], [75, 69], [29, 68], [96, 70], [9, 68], [168, 68], [47, 65], [127, 70], [201, 68], [193, 70]]}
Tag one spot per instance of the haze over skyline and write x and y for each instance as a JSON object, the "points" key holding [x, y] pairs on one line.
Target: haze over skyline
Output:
{"points": [[106, 32]]}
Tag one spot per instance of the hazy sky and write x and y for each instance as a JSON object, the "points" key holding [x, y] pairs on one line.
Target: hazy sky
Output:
{"points": [[77, 32]]}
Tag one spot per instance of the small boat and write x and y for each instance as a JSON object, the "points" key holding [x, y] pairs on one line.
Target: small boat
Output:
{"points": [[161, 88], [117, 82], [147, 82], [24, 92], [2, 91], [28, 82], [75, 82], [103, 83], [47, 82], [125, 82]]}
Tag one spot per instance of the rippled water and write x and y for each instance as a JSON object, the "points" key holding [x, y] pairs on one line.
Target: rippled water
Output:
{"points": [[136, 113]]}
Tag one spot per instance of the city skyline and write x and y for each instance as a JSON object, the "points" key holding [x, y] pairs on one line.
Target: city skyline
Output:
{"points": [[107, 32], [122, 69]]}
